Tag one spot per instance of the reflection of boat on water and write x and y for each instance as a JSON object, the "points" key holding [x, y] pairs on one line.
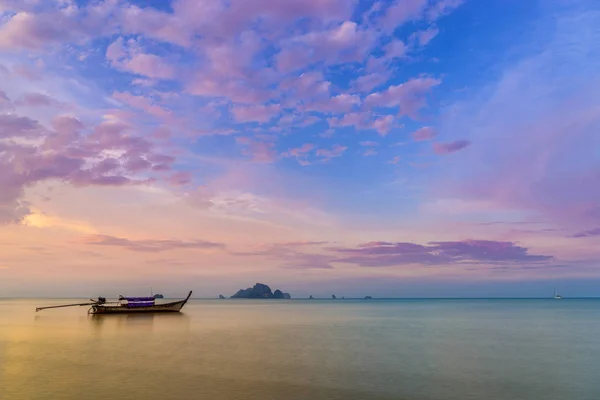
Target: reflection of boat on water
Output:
{"points": [[128, 305], [557, 296], [140, 322]]}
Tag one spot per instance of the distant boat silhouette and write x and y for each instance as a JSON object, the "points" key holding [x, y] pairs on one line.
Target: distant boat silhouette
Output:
{"points": [[333, 296], [557, 296]]}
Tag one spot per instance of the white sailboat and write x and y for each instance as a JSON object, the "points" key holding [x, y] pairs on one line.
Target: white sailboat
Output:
{"points": [[557, 296]]}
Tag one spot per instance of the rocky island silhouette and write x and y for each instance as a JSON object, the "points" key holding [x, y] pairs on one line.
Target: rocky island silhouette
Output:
{"points": [[260, 291]]}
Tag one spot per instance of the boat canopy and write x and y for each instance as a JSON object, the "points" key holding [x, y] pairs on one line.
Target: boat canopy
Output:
{"points": [[137, 298]]}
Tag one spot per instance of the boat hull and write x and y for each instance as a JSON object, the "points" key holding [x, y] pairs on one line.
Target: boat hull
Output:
{"points": [[175, 306]]}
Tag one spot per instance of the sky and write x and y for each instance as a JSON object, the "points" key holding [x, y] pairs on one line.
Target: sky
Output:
{"points": [[392, 148]]}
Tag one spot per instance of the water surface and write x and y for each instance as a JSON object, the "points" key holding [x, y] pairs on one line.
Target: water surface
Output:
{"points": [[322, 349]]}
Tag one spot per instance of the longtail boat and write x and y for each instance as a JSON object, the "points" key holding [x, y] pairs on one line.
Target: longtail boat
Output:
{"points": [[127, 305]]}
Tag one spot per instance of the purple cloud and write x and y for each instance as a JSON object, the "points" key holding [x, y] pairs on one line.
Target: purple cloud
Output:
{"points": [[37, 100], [258, 151], [380, 254], [12, 125], [452, 147], [149, 246], [409, 97], [590, 233], [424, 133], [65, 154]]}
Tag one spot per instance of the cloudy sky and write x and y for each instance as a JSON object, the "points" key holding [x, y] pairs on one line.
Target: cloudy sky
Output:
{"points": [[389, 148]]}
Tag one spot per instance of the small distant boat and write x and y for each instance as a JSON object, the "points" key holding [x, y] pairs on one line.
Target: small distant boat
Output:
{"points": [[128, 305], [557, 296]]}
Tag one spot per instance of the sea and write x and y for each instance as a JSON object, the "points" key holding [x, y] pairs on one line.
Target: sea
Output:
{"points": [[438, 349]]}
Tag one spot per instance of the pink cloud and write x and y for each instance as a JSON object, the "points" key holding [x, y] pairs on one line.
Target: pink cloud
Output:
{"points": [[394, 160], [224, 20], [368, 82], [180, 178], [307, 86], [238, 91], [148, 245], [383, 125], [234, 59], [36, 28], [292, 59], [150, 65], [426, 36], [369, 144], [327, 154], [162, 133], [259, 152], [452, 147], [173, 28], [144, 82], [131, 59], [31, 31], [37, 100], [395, 49], [403, 11], [291, 10], [144, 104], [258, 113], [357, 119], [66, 130], [442, 8], [116, 51], [300, 153], [424, 133], [370, 152], [409, 96], [343, 43], [342, 103]]}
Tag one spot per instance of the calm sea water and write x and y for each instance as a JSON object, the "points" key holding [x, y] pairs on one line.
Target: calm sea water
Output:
{"points": [[344, 349]]}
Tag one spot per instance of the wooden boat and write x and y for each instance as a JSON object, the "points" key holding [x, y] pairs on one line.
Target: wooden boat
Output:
{"points": [[128, 305]]}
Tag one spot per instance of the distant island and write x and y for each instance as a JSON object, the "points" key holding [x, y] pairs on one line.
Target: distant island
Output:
{"points": [[260, 291]]}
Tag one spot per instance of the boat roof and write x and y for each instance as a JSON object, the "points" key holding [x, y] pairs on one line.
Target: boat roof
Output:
{"points": [[137, 298]]}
